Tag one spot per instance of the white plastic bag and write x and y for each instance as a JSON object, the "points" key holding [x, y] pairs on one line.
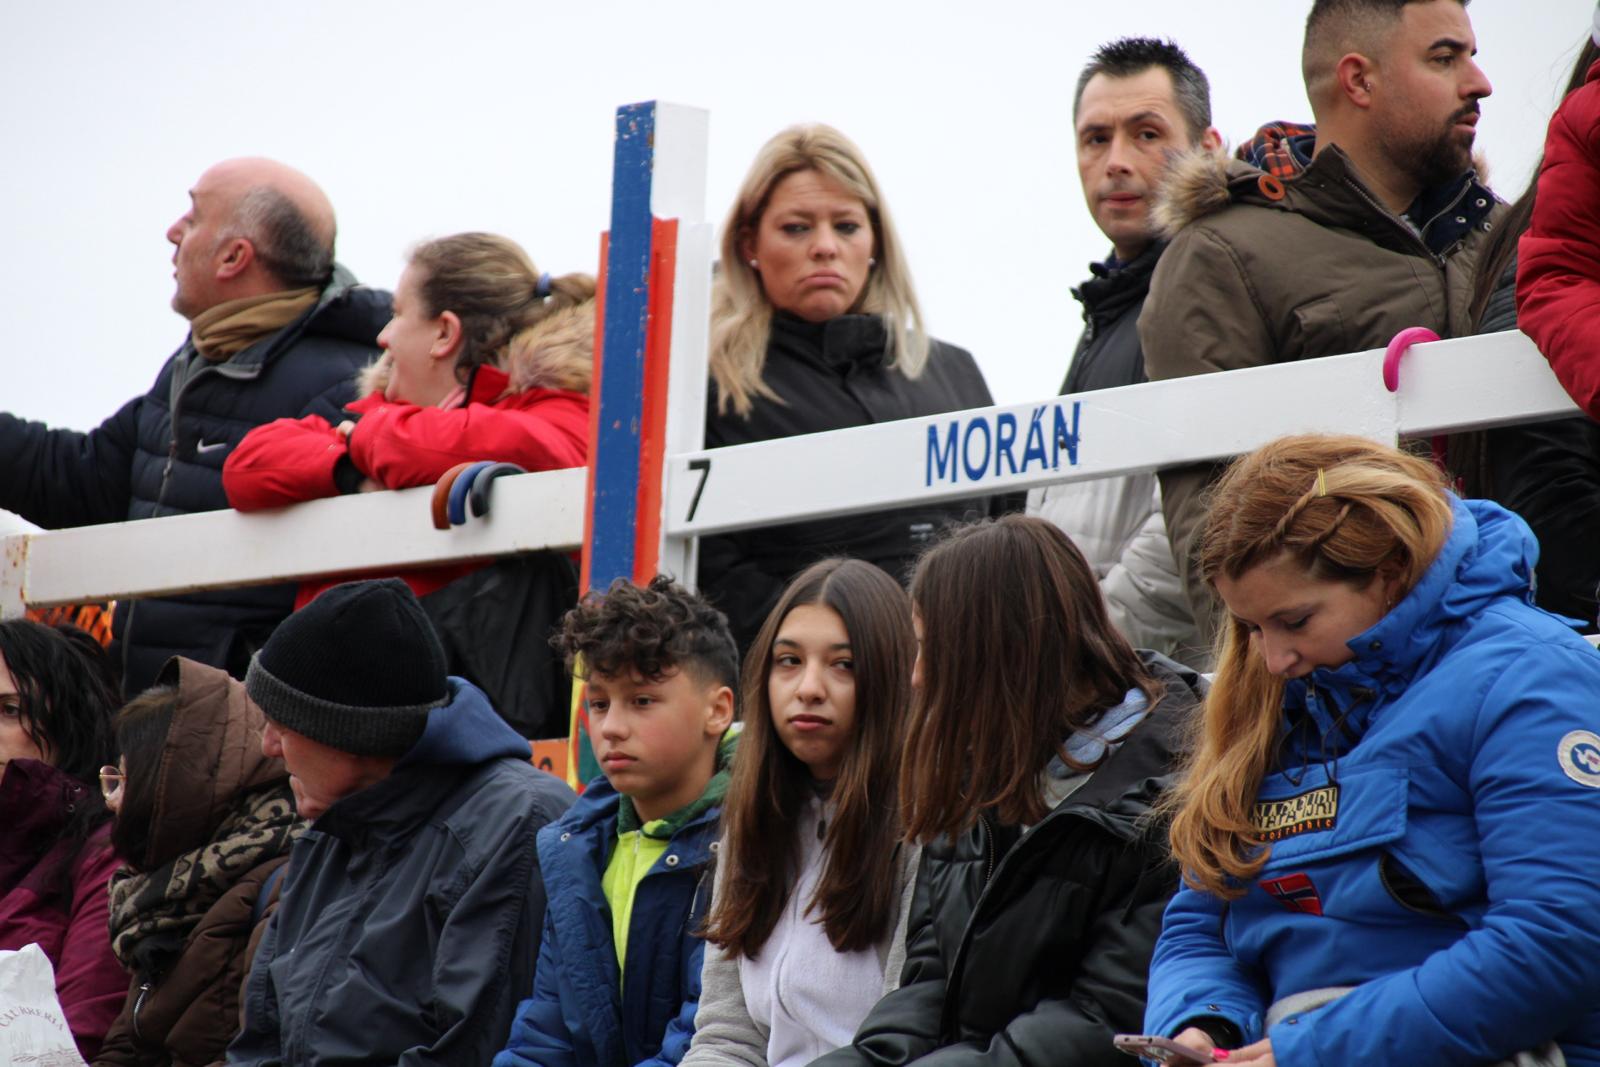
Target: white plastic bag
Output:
{"points": [[33, 1028]]}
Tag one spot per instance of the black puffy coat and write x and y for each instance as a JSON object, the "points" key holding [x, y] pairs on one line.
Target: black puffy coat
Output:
{"points": [[162, 454], [831, 376], [1032, 947]]}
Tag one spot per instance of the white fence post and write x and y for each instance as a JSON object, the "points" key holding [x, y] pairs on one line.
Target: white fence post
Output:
{"points": [[14, 576]]}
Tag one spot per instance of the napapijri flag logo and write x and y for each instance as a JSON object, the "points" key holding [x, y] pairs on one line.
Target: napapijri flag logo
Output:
{"points": [[1295, 892]]}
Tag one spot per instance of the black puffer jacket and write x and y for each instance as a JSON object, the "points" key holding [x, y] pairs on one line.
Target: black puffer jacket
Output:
{"points": [[1032, 947], [831, 376], [162, 454]]}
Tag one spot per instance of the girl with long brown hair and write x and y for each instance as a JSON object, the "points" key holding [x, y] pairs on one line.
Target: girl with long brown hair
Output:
{"points": [[1396, 760], [808, 926], [1039, 743]]}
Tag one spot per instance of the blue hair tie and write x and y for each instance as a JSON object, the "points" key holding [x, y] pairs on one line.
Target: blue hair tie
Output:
{"points": [[542, 290]]}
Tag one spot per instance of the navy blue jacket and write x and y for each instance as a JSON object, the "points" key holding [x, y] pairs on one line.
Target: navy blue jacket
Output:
{"points": [[410, 917], [162, 454], [1431, 821], [581, 1014]]}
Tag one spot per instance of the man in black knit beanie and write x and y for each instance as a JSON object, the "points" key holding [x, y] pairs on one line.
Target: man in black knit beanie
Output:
{"points": [[409, 919]]}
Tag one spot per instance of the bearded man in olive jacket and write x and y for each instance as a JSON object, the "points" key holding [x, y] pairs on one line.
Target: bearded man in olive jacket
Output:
{"points": [[1333, 240]]}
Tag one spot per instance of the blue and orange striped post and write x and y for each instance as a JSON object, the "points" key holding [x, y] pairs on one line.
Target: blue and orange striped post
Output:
{"points": [[648, 293]]}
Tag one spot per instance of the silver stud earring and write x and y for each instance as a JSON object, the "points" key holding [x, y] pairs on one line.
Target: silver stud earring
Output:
{"points": [[871, 262], [754, 265]]}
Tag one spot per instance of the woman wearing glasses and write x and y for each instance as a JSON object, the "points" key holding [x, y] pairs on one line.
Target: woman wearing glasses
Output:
{"points": [[204, 824], [56, 702]]}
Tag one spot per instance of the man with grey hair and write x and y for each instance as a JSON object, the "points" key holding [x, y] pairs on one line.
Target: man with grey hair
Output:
{"points": [[1139, 101], [1328, 240], [276, 329]]}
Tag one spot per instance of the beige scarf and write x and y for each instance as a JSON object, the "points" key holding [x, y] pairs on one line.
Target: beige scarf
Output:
{"points": [[223, 331]]}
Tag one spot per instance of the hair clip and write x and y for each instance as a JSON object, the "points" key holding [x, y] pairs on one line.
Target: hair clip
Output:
{"points": [[1322, 482]]}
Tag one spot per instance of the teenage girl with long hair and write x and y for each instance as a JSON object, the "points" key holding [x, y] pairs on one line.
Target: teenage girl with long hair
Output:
{"points": [[1384, 829], [1038, 745], [807, 929]]}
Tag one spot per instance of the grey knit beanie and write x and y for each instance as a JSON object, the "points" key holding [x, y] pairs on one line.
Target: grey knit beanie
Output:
{"points": [[357, 669]]}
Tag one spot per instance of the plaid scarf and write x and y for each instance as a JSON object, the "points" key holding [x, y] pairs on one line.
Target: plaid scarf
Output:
{"points": [[1282, 149], [153, 912]]}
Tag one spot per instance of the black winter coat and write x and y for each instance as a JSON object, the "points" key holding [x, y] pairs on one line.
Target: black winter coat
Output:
{"points": [[1549, 473], [1032, 947], [1108, 352], [831, 376], [162, 454]]}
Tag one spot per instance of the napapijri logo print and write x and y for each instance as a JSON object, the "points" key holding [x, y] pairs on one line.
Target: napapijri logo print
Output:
{"points": [[1315, 809]]}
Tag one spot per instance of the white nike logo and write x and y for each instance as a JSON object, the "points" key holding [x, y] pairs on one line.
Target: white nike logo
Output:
{"points": [[201, 446]]}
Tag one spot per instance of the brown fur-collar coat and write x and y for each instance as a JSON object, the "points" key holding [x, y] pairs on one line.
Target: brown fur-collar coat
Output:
{"points": [[1262, 272]]}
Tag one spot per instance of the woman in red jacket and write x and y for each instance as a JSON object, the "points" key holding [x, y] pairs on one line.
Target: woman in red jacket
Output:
{"points": [[56, 704], [485, 359], [1558, 260]]}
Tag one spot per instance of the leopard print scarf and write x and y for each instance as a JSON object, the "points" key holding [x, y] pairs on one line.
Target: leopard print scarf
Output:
{"points": [[152, 912]]}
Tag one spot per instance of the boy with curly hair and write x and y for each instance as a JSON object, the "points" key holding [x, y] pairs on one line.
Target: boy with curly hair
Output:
{"points": [[624, 867]]}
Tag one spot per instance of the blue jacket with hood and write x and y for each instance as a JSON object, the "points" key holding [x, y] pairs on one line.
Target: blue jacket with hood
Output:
{"points": [[1430, 820], [584, 1012], [411, 911]]}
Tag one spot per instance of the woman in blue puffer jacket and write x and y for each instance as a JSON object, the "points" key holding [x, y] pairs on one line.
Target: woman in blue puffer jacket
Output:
{"points": [[1387, 832]]}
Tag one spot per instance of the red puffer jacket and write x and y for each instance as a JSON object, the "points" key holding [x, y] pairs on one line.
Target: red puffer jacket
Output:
{"points": [[534, 414], [1558, 272], [64, 916], [400, 445]]}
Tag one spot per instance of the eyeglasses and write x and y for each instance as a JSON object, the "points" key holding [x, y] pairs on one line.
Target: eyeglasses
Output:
{"points": [[111, 780]]}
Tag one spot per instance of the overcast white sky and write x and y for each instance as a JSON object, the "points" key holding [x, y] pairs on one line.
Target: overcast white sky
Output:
{"points": [[425, 119]]}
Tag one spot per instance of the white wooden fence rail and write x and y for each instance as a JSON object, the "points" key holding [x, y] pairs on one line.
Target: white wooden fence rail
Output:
{"points": [[1448, 385]]}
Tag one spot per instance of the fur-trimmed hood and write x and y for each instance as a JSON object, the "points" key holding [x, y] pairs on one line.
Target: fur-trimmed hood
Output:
{"points": [[1329, 192], [1197, 184], [555, 353]]}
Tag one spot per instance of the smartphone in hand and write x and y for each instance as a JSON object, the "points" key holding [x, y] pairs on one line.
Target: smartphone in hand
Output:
{"points": [[1160, 1049]]}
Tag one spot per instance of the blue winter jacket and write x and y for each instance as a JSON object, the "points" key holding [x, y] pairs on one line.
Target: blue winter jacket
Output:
{"points": [[1431, 824], [582, 1012]]}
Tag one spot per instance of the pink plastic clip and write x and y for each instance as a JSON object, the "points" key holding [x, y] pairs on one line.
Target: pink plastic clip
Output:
{"points": [[1411, 335]]}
